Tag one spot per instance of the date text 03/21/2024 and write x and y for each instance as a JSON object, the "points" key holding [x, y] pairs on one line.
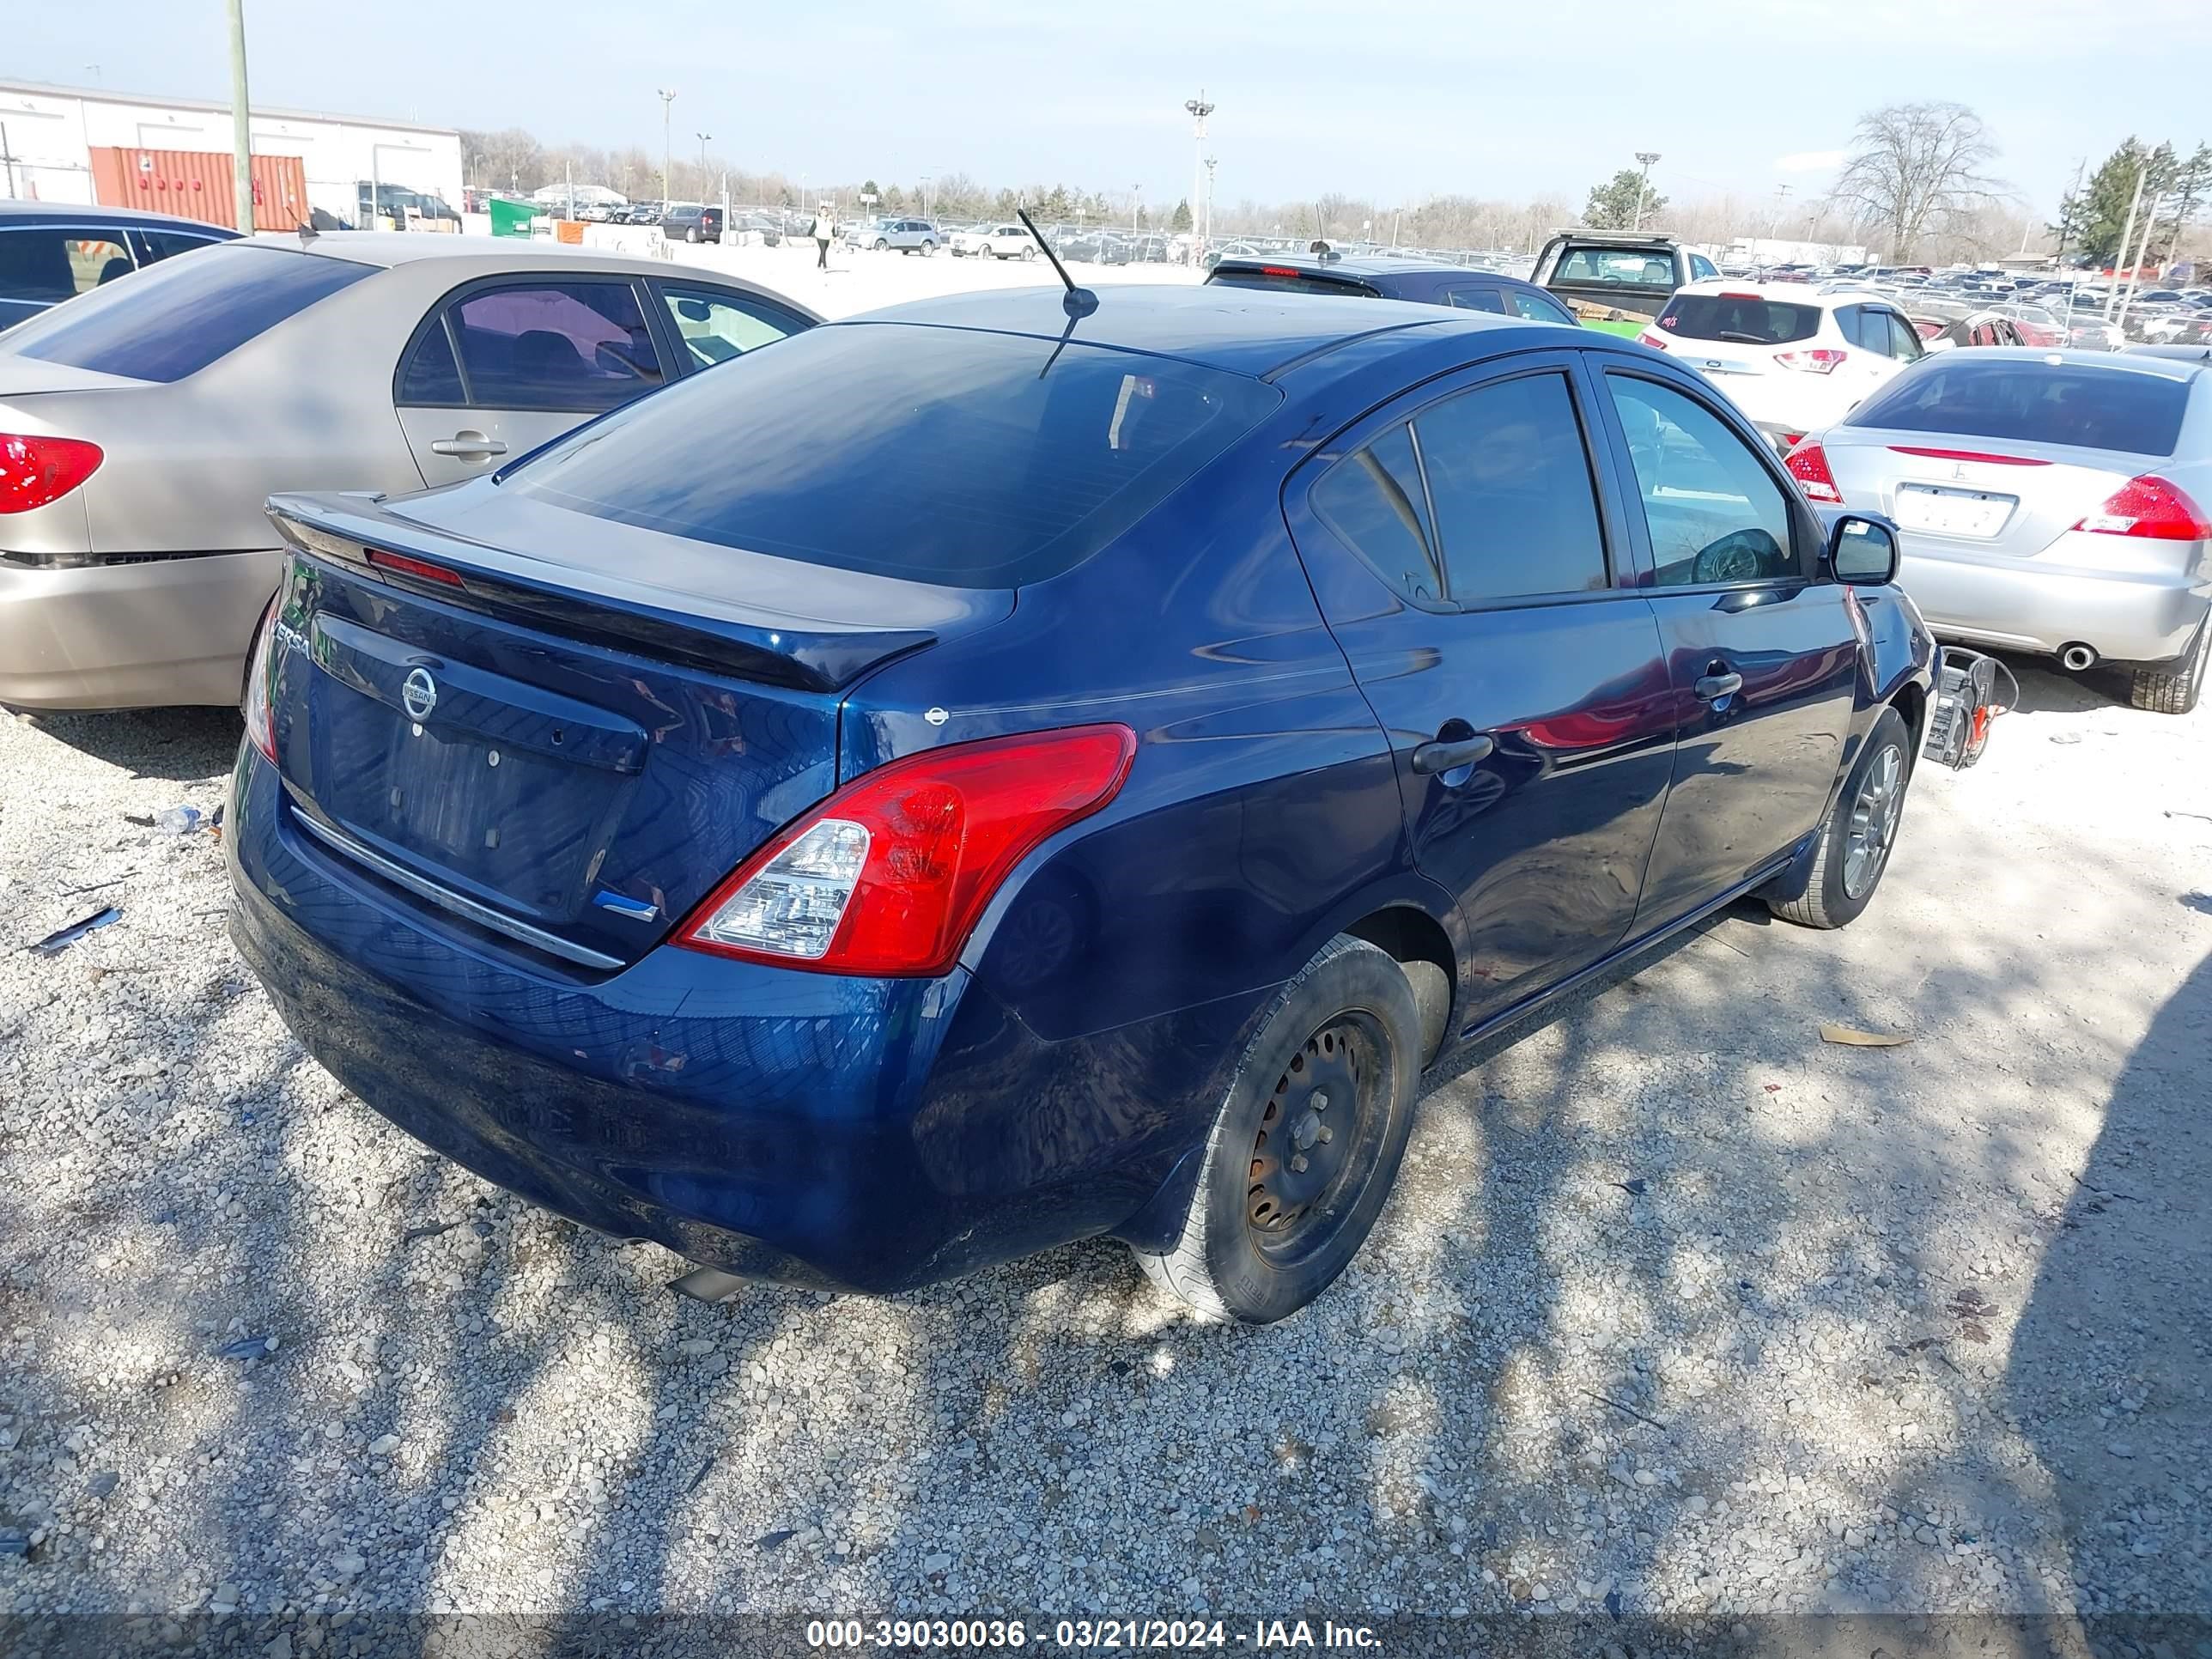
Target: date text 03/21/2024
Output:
{"points": [[1107, 1635]]}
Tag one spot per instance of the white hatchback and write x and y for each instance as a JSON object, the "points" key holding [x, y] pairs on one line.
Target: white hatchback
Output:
{"points": [[1792, 360]]}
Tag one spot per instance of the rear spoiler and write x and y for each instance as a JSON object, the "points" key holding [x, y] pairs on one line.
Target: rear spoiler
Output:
{"points": [[764, 646]]}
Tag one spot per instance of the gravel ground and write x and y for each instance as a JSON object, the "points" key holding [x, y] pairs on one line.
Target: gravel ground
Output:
{"points": [[1679, 1313]]}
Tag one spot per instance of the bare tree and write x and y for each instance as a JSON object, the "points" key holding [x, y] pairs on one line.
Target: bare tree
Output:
{"points": [[1912, 168]]}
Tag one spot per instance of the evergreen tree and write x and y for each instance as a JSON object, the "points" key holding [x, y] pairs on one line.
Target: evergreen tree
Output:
{"points": [[1612, 205], [1181, 221], [2095, 220]]}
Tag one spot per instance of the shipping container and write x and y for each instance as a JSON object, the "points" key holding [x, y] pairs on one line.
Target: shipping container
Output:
{"points": [[195, 183]]}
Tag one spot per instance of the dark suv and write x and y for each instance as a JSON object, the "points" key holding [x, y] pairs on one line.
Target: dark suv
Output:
{"points": [[692, 222], [51, 252], [1427, 282]]}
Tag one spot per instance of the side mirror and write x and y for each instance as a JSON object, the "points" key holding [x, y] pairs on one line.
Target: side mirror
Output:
{"points": [[1863, 550]]}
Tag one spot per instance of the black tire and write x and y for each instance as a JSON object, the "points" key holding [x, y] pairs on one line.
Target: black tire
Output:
{"points": [[2172, 688], [692, 235], [1837, 890], [1267, 1233], [881, 244], [1029, 253]]}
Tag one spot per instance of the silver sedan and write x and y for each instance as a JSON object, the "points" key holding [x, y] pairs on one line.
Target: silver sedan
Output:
{"points": [[143, 425], [2050, 502]]}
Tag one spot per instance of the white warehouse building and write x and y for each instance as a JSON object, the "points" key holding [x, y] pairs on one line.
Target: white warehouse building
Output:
{"points": [[89, 145]]}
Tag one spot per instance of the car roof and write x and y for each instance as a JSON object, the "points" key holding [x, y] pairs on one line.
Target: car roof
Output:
{"points": [[1242, 330], [15, 212], [393, 248], [1363, 266], [2120, 362], [1792, 293]]}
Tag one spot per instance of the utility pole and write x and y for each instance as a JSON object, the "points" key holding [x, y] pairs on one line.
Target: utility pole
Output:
{"points": [[241, 123], [7, 159], [2127, 233], [2143, 252], [667, 97], [703, 138], [1136, 209], [1200, 109], [1643, 183], [1212, 162], [1781, 199]]}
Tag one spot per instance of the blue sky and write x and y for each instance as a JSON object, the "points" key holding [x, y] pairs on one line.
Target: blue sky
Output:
{"points": [[1392, 102]]}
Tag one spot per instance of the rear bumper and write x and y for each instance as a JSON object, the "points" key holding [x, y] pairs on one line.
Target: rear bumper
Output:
{"points": [[168, 632], [2041, 605], [809, 1129], [1784, 402]]}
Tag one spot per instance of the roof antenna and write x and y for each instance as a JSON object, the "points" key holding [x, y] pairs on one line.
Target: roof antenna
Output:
{"points": [[307, 233], [1077, 302]]}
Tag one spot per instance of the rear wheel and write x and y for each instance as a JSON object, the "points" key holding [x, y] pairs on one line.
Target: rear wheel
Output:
{"points": [[1859, 832], [1029, 253], [1307, 1144], [2173, 688], [692, 235]]}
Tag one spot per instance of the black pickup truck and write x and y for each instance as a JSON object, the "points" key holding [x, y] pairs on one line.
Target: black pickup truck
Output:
{"points": [[1617, 280]]}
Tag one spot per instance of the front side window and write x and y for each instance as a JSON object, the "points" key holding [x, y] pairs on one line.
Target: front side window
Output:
{"points": [[1701, 269], [182, 314], [557, 345], [716, 327], [1510, 476], [1715, 513], [1904, 339]]}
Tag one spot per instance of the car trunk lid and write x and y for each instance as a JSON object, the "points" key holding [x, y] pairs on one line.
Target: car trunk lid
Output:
{"points": [[2007, 497], [569, 745]]}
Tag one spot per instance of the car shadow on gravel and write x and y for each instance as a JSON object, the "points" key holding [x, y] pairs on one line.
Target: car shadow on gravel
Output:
{"points": [[182, 745]]}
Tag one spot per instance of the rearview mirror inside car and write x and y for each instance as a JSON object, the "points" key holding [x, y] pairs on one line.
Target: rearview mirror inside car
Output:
{"points": [[1863, 550]]}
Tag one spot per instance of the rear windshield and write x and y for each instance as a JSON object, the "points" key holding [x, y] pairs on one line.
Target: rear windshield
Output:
{"points": [[1285, 279], [2032, 401], [1746, 320], [937, 454], [176, 318]]}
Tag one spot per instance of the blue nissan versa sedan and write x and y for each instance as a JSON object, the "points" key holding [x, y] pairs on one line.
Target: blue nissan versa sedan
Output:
{"points": [[975, 777]]}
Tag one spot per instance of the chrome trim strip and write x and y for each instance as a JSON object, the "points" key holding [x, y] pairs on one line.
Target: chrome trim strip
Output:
{"points": [[483, 915]]}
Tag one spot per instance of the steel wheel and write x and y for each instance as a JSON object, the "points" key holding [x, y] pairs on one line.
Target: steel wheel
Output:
{"points": [[1308, 1166], [1873, 822]]}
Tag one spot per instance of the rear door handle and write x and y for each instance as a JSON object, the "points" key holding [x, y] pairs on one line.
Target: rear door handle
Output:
{"points": [[1712, 688], [1444, 754], [468, 444]]}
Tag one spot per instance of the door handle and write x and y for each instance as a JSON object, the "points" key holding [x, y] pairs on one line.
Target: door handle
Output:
{"points": [[1444, 754], [468, 444], [1712, 688]]}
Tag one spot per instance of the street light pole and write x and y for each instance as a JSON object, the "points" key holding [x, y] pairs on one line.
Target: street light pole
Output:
{"points": [[703, 138], [241, 123], [1643, 183], [667, 97], [1136, 209], [1212, 162], [1200, 109]]}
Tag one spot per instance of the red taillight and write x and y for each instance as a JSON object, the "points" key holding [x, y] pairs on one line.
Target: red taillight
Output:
{"points": [[889, 874], [1649, 338], [261, 726], [36, 470], [1808, 464], [1967, 455], [1281, 271], [2149, 506], [422, 569], [1739, 294], [1821, 359]]}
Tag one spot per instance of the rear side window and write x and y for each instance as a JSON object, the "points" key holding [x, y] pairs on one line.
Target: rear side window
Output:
{"points": [[2031, 401], [940, 455], [176, 318], [1477, 299], [1374, 501], [1285, 280], [1536, 309], [47, 265], [1742, 319], [1510, 476], [576, 346]]}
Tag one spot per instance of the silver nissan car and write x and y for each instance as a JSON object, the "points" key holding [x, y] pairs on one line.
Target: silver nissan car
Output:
{"points": [[143, 425], [2050, 502]]}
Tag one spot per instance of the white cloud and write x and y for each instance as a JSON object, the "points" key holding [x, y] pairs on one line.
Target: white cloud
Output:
{"points": [[1809, 161]]}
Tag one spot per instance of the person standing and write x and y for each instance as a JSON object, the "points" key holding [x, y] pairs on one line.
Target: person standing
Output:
{"points": [[825, 227]]}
